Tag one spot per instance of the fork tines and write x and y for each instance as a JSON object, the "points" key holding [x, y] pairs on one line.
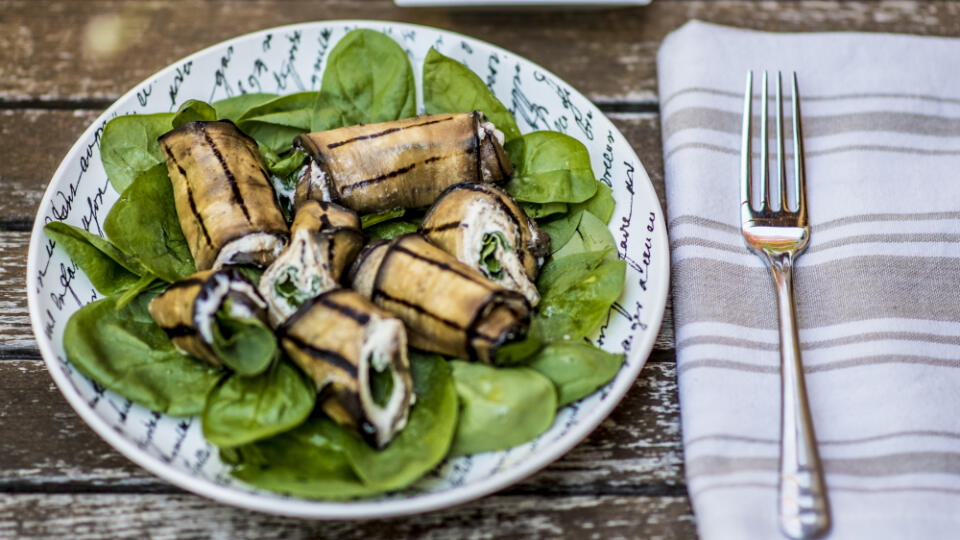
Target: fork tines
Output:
{"points": [[764, 206]]}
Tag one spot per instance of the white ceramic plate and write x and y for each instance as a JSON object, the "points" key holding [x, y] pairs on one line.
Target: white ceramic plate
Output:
{"points": [[581, 4], [290, 59]]}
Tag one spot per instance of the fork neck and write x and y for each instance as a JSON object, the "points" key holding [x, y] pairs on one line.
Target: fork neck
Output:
{"points": [[781, 262]]}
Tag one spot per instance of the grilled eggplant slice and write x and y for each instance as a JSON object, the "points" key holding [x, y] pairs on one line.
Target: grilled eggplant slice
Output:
{"points": [[401, 164], [217, 316], [448, 307], [356, 354], [225, 201], [484, 228], [318, 215], [325, 240]]}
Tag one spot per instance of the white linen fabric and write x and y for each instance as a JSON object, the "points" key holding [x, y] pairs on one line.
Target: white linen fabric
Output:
{"points": [[878, 289]]}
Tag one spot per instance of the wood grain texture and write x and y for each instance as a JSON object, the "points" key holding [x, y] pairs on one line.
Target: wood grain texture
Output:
{"points": [[47, 447], [64, 61], [61, 53], [32, 143], [89, 516]]}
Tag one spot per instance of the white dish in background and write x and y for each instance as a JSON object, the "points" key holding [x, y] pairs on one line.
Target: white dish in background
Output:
{"points": [[522, 3], [290, 59]]}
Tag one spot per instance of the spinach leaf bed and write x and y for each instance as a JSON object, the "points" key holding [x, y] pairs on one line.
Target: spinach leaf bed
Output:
{"points": [[262, 413]]}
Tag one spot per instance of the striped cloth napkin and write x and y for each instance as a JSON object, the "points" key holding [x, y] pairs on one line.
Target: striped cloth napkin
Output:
{"points": [[878, 289]]}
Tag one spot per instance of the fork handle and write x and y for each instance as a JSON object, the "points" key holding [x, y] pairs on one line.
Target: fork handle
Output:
{"points": [[802, 497]]}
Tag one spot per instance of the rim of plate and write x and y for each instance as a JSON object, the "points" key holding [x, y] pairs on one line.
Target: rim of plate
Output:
{"points": [[359, 509]]}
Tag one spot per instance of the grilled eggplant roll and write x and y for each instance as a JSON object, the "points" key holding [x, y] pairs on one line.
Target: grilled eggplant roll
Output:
{"points": [[484, 228], [356, 354], [217, 316], [448, 307], [401, 164], [325, 238], [317, 215], [225, 201]]}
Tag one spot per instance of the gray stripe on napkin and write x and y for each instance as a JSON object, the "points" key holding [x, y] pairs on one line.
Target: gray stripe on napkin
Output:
{"points": [[917, 287]]}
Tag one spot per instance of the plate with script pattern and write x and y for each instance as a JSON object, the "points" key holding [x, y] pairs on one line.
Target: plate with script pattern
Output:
{"points": [[291, 59]]}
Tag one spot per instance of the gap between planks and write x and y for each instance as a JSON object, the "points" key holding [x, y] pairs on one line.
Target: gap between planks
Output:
{"points": [[499, 516]]}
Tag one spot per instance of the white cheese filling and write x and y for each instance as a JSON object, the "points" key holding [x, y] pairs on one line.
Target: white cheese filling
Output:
{"points": [[251, 243], [482, 217], [488, 127], [310, 260], [317, 180], [384, 336]]}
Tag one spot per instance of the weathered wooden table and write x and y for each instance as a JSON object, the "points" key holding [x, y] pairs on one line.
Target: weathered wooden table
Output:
{"points": [[57, 478]]}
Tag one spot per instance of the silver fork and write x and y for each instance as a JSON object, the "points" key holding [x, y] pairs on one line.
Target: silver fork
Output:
{"points": [[779, 235]]}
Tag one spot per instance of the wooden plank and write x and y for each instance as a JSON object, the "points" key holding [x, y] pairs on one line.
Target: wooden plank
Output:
{"points": [[36, 141], [609, 54], [15, 332], [88, 516], [47, 447], [33, 142]]}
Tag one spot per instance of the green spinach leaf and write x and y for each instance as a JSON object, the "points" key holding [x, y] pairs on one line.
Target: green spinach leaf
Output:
{"points": [[233, 108], [242, 410], [601, 204], [500, 407], [194, 110], [519, 352], [576, 369], [129, 147], [125, 351], [108, 268], [323, 460], [538, 211], [144, 283], [561, 229], [391, 229], [283, 167], [450, 87], [560, 274], [274, 124], [550, 167], [244, 344], [591, 235], [369, 220], [368, 79], [574, 305], [144, 224], [488, 254]]}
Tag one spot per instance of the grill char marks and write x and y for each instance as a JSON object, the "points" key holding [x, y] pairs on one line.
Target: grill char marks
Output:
{"points": [[379, 296], [325, 355], [447, 266], [190, 200], [179, 331], [477, 151], [332, 339], [387, 132], [386, 176], [222, 194], [234, 188], [440, 228], [401, 164], [448, 307], [319, 215]]}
